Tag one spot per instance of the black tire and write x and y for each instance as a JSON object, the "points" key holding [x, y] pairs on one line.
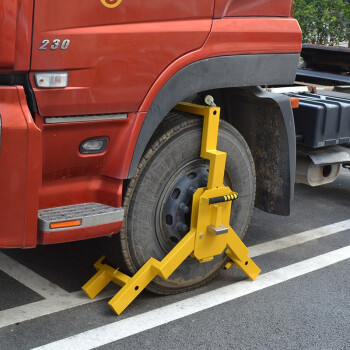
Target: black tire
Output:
{"points": [[145, 233]]}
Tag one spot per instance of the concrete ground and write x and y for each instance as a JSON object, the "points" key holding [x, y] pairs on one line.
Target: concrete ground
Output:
{"points": [[300, 301]]}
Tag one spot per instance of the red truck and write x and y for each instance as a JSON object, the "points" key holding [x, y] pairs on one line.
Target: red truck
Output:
{"points": [[90, 144]]}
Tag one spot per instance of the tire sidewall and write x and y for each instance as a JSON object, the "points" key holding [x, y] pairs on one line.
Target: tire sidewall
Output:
{"points": [[172, 151]]}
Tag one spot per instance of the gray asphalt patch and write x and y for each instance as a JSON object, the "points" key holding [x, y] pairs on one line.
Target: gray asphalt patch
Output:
{"points": [[309, 312], [13, 293]]}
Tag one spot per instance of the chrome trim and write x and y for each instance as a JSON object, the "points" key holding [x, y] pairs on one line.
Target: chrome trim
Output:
{"points": [[85, 118]]}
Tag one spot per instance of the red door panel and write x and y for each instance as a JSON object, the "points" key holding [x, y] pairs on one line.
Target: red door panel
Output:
{"points": [[115, 54], [20, 170], [16, 30], [8, 19], [241, 8]]}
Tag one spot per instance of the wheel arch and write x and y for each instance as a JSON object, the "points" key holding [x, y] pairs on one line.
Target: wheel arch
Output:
{"points": [[222, 74]]}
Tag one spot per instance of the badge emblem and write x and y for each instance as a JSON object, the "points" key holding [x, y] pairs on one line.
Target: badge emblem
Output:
{"points": [[111, 3]]}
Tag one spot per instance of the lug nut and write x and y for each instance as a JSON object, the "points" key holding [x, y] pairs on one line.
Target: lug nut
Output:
{"points": [[204, 181], [192, 190], [181, 227], [183, 208]]}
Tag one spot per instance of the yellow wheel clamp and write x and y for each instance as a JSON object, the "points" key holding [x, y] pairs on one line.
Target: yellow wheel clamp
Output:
{"points": [[210, 231]]}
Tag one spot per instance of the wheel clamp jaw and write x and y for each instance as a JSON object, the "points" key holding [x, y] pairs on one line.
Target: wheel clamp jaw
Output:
{"points": [[210, 232]]}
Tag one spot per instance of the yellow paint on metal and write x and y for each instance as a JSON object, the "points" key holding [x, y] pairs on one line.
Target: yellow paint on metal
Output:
{"points": [[217, 215], [111, 3], [199, 242]]}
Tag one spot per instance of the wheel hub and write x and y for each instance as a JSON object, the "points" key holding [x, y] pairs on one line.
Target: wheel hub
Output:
{"points": [[173, 216]]}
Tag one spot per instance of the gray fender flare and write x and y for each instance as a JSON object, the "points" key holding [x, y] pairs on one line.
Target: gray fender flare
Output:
{"points": [[214, 73]]}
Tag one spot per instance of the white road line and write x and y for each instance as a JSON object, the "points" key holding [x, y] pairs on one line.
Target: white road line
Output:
{"points": [[121, 329], [56, 304], [29, 278], [48, 306], [299, 238]]}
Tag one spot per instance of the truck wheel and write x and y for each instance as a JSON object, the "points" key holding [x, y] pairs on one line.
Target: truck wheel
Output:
{"points": [[158, 200]]}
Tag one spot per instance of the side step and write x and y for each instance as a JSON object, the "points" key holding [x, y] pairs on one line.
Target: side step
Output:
{"points": [[78, 216]]}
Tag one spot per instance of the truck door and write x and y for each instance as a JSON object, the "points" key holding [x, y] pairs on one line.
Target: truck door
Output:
{"points": [[113, 50]]}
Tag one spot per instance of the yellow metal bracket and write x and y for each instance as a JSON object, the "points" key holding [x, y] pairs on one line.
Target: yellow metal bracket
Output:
{"points": [[210, 232]]}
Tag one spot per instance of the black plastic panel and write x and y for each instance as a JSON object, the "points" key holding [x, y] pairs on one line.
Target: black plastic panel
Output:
{"points": [[21, 79], [324, 58], [322, 120]]}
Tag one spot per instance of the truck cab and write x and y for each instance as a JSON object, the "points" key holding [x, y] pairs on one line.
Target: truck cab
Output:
{"points": [[87, 91]]}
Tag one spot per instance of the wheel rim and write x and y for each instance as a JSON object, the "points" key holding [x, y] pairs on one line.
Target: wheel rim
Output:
{"points": [[173, 213]]}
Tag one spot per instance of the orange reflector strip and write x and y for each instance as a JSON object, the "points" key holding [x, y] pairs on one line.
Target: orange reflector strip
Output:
{"points": [[65, 224], [294, 101]]}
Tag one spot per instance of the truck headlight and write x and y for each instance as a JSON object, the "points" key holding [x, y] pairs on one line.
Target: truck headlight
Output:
{"points": [[51, 80]]}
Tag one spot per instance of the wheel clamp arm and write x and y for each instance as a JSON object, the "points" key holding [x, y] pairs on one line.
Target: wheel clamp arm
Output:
{"points": [[210, 232]]}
